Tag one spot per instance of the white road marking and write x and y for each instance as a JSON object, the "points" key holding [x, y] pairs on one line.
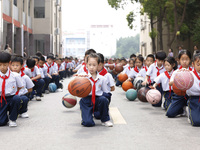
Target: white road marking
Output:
{"points": [[116, 116]]}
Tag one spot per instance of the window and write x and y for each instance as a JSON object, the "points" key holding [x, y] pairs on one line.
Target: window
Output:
{"points": [[15, 2], [39, 46], [39, 8]]}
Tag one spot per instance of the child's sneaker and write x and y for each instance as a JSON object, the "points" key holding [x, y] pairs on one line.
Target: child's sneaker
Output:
{"points": [[46, 91], [12, 123], [38, 98], [24, 115], [59, 90], [107, 123], [42, 95]]}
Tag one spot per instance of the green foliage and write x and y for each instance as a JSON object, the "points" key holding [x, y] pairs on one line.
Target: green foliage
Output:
{"points": [[127, 46], [153, 33], [196, 31], [130, 19]]}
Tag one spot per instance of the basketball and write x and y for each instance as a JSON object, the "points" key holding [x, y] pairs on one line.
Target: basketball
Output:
{"points": [[127, 85], [122, 77], [131, 94], [178, 91], [142, 94], [119, 68], [69, 101], [183, 80], [138, 82], [111, 67], [52, 87], [81, 87], [69, 88], [153, 96]]}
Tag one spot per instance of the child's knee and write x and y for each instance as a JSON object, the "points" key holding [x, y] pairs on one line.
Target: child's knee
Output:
{"points": [[170, 114], [88, 123]]}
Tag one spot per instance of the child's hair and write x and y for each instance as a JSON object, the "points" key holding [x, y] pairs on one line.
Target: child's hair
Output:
{"points": [[101, 57], [50, 57], [196, 57], [131, 60], [186, 52], [17, 59], [38, 54], [161, 55], [42, 58], [123, 59], [151, 56], [140, 58], [172, 61], [90, 51], [5, 57], [30, 63], [132, 55], [66, 57], [93, 55], [36, 57]]}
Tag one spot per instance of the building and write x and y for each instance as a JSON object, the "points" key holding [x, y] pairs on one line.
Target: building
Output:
{"points": [[31, 25]]}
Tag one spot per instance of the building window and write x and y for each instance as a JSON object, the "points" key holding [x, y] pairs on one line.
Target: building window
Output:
{"points": [[39, 46], [39, 8], [15, 2]]}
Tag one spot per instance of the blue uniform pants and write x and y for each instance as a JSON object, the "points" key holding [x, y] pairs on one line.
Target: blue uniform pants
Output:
{"points": [[118, 83], [46, 80], [86, 106], [24, 104], [55, 78], [13, 105], [168, 98], [176, 106], [62, 74], [194, 110], [39, 84]]}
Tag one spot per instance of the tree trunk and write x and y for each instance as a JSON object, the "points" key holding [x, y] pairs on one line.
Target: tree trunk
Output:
{"points": [[152, 38], [160, 29]]}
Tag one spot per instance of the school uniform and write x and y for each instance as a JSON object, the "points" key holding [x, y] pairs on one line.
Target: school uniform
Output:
{"points": [[83, 69], [177, 102], [127, 71], [55, 78], [95, 101], [61, 70], [70, 67], [163, 79], [194, 100], [46, 78], [154, 71], [27, 84], [134, 72], [39, 83], [66, 70], [9, 83]]}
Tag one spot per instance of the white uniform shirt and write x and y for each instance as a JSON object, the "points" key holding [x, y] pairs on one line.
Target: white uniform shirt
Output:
{"points": [[12, 83], [27, 84], [163, 79], [127, 65], [195, 89], [51, 70], [41, 72], [152, 71], [65, 65], [127, 71], [62, 67], [143, 72], [55, 67], [44, 70], [133, 73], [81, 70], [33, 73], [100, 85]]}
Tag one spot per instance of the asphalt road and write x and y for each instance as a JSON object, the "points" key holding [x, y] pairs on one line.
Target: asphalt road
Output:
{"points": [[138, 125]]}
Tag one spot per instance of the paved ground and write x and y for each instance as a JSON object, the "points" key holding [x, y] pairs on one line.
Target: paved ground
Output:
{"points": [[51, 126]]}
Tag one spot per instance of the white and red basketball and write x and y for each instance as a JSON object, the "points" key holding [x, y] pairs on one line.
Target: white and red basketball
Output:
{"points": [[153, 96], [69, 100], [183, 80]]}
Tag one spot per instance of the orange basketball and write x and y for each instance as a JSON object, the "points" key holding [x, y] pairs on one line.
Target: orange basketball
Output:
{"points": [[127, 85], [81, 87], [119, 68], [178, 91], [69, 88], [122, 77], [111, 67]]}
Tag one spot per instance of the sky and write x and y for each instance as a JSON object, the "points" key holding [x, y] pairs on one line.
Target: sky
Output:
{"points": [[80, 14]]}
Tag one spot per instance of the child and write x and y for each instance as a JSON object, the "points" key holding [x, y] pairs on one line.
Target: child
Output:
{"points": [[52, 74], [179, 102], [194, 93], [61, 68], [33, 72], [164, 78], [138, 66], [16, 66], [10, 82], [95, 100], [155, 70]]}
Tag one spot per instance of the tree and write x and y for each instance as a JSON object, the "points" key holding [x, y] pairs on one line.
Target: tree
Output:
{"points": [[127, 46]]}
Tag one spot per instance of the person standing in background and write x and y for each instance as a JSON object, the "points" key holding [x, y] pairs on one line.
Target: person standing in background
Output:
{"points": [[8, 49], [170, 53]]}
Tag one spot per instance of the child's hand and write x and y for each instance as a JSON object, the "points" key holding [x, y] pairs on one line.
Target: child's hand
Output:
{"points": [[129, 79], [145, 83], [152, 87], [75, 75]]}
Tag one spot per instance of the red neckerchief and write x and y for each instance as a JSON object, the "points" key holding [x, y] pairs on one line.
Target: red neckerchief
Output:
{"points": [[188, 68], [85, 69], [32, 69], [58, 66], [136, 69], [52, 64], [145, 67], [170, 88], [196, 74], [158, 72], [103, 72], [22, 74], [84, 64], [48, 67], [149, 80], [93, 92], [3, 87], [40, 67], [22, 70], [66, 65], [129, 68]]}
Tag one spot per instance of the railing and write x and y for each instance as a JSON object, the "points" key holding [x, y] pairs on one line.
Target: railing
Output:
{"points": [[15, 13], [24, 18], [6, 7], [29, 22]]}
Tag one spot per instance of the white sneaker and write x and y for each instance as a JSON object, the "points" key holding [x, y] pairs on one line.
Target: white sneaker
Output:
{"points": [[46, 91], [59, 90], [38, 98], [107, 124], [24, 115], [12, 123]]}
